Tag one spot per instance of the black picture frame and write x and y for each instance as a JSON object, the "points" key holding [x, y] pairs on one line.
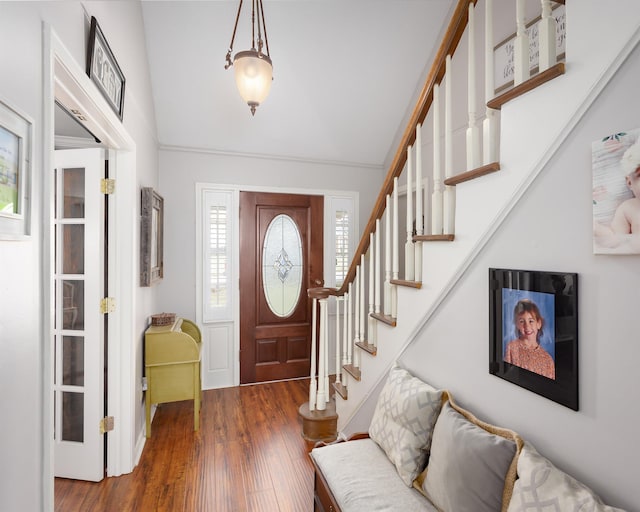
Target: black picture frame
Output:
{"points": [[151, 237], [103, 69], [555, 295]]}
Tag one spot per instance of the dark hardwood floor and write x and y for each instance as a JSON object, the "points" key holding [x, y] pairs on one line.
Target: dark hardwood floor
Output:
{"points": [[249, 455]]}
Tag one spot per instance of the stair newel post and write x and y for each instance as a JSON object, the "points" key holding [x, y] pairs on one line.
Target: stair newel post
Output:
{"points": [[338, 351], [438, 184], [490, 138], [546, 38], [395, 261], [363, 332], [349, 339], [372, 264], [409, 255], [313, 385], [449, 191], [378, 287], [321, 402], [345, 335], [474, 155], [387, 258], [521, 47], [417, 247]]}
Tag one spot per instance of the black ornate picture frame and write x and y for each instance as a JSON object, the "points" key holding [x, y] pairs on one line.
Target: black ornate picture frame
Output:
{"points": [[103, 69], [525, 307], [151, 237]]}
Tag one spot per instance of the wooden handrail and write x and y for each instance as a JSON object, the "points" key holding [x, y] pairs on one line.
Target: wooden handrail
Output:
{"points": [[452, 37]]}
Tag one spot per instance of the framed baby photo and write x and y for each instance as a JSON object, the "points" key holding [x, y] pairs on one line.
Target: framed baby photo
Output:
{"points": [[533, 331], [615, 165]]}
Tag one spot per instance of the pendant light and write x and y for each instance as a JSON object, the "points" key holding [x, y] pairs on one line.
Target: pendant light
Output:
{"points": [[253, 68]]}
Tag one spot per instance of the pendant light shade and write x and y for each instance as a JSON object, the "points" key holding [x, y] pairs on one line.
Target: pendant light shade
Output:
{"points": [[253, 68], [254, 74]]}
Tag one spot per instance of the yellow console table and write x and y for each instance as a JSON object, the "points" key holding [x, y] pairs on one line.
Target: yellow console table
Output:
{"points": [[172, 366]]}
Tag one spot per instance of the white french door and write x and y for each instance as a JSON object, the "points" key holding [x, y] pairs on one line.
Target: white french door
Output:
{"points": [[79, 226]]}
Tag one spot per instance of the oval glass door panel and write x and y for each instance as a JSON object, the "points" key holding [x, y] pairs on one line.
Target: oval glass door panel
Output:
{"points": [[282, 265]]}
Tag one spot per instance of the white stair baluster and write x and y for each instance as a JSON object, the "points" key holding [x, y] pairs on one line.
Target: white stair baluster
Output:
{"points": [[378, 292], [338, 351], [521, 47], [474, 154], [546, 38], [363, 333], [345, 335], [313, 385], [387, 258], [438, 186], [372, 264], [356, 317], [321, 401], [490, 134], [349, 340], [409, 254], [327, 395], [449, 191], [395, 262], [417, 247]]}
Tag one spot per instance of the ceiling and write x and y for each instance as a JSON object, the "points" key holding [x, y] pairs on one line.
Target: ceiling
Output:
{"points": [[346, 75]]}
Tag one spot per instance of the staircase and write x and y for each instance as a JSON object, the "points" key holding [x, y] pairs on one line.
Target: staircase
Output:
{"points": [[435, 212]]}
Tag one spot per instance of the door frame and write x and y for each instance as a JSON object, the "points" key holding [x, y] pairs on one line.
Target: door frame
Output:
{"points": [[329, 196], [65, 80]]}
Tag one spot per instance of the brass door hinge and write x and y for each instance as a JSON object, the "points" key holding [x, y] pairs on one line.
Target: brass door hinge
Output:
{"points": [[107, 305], [106, 424], [107, 186]]}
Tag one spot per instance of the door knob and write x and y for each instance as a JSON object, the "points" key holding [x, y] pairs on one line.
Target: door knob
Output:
{"points": [[318, 282]]}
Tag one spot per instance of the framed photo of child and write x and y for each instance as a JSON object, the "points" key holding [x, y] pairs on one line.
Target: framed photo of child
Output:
{"points": [[533, 331], [615, 162]]}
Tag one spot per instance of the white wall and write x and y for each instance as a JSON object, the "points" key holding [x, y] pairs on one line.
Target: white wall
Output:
{"points": [[24, 482], [550, 229], [181, 170]]}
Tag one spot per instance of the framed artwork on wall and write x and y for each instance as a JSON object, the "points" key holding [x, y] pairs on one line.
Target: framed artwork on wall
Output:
{"points": [[615, 162], [16, 135], [533, 331], [103, 69], [151, 237]]}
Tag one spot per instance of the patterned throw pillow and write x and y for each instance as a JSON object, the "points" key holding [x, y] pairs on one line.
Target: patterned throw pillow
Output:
{"points": [[403, 421], [542, 486]]}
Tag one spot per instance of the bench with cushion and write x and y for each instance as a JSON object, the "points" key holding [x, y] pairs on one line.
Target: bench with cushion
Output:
{"points": [[425, 453]]}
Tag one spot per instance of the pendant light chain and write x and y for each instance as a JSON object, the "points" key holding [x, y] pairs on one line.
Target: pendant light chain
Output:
{"points": [[233, 36], [264, 27]]}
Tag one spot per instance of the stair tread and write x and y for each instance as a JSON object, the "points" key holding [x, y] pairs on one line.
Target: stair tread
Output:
{"points": [[473, 174], [407, 283], [526, 86], [367, 347], [434, 238], [341, 389], [354, 371], [387, 319]]}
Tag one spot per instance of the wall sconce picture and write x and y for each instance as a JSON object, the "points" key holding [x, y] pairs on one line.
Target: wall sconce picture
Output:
{"points": [[151, 237]]}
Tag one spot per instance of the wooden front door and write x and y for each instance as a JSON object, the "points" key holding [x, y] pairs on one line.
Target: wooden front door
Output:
{"points": [[280, 258]]}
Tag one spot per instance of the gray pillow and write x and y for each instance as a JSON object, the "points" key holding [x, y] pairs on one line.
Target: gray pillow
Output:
{"points": [[469, 463], [402, 423]]}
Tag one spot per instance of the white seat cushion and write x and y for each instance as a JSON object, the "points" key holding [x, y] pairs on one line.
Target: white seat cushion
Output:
{"points": [[362, 479]]}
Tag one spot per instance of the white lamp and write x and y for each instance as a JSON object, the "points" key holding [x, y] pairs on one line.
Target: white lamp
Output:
{"points": [[253, 68]]}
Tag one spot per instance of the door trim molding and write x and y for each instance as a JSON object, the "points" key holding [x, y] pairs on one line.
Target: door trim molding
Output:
{"points": [[65, 80]]}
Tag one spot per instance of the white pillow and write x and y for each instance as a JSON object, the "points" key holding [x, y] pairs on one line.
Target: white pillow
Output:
{"points": [[402, 423], [542, 486]]}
